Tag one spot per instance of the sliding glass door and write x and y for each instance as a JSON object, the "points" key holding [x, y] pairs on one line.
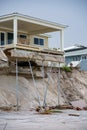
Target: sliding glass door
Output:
{"points": [[2, 38], [10, 38]]}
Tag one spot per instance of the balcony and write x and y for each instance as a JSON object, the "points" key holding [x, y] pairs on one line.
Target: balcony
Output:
{"points": [[16, 24]]}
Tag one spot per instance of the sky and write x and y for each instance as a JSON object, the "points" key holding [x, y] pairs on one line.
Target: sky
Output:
{"points": [[68, 12]]}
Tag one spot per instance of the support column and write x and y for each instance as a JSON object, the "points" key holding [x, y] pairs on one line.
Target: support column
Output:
{"points": [[58, 87], [17, 85], [15, 31], [62, 40]]}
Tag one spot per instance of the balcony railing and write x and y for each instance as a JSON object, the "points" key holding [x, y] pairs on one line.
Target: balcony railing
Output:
{"points": [[23, 41]]}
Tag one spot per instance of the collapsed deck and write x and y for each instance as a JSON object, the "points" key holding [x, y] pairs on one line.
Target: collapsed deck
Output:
{"points": [[30, 53]]}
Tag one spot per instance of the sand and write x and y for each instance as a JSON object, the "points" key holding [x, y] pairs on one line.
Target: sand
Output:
{"points": [[31, 120]]}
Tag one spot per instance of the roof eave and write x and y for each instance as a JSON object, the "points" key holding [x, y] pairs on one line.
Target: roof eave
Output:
{"points": [[29, 18]]}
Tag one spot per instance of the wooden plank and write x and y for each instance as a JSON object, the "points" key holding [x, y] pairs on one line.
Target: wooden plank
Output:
{"points": [[49, 51], [34, 48], [27, 47]]}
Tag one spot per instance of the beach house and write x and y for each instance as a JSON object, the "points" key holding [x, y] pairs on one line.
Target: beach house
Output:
{"points": [[24, 34]]}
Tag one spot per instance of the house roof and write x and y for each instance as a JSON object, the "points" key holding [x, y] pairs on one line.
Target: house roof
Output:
{"points": [[29, 24], [75, 50]]}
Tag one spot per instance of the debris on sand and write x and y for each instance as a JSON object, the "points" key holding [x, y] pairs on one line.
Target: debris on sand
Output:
{"points": [[73, 115], [9, 108]]}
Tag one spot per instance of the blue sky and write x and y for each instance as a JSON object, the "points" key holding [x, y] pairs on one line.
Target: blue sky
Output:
{"points": [[68, 12]]}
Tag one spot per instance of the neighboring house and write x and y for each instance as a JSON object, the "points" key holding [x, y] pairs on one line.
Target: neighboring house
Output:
{"points": [[19, 29], [77, 55]]}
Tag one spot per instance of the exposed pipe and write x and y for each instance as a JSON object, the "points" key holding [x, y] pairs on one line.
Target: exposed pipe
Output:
{"points": [[45, 91], [58, 86], [34, 84], [17, 84]]}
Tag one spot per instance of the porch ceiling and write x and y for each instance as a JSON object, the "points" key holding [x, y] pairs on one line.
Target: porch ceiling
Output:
{"points": [[33, 28], [27, 27]]}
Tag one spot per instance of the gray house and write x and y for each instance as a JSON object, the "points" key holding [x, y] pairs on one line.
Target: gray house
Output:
{"points": [[77, 55]]}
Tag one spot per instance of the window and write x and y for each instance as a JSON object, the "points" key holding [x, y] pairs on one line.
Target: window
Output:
{"points": [[2, 38], [84, 57], [22, 36], [39, 41], [10, 38], [79, 58], [73, 58], [36, 41]]}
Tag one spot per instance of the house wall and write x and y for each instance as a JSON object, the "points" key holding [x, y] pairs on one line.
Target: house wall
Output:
{"points": [[30, 38], [68, 59], [83, 65], [81, 57]]}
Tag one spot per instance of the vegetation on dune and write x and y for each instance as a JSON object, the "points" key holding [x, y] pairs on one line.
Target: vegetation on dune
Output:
{"points": [[66, 68]]}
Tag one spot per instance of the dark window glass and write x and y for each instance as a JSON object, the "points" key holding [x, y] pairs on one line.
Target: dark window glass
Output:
{"points": [[38, 41], [84, 57], [41, 41], [22, 36], [2, 39], [10, 38]]}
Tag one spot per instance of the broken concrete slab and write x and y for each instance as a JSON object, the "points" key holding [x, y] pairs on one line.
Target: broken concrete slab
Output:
{"points": [[33, 55]]}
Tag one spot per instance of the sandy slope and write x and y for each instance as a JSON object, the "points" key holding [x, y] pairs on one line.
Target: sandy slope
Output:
{"points": [[73, 87], [26, 92]]}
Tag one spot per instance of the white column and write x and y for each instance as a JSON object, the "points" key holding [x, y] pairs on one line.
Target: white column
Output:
{"points": [[15, 31], [62, 40]]}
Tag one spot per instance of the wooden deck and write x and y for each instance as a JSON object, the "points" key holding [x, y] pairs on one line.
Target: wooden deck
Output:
{"points": [[33, 48]]}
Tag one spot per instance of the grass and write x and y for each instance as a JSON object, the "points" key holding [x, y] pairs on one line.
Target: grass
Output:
{"points": [[66, 68], [56, 111]]}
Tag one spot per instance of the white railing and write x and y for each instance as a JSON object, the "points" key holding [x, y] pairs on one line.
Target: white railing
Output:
{"points": [[23, 41]]}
